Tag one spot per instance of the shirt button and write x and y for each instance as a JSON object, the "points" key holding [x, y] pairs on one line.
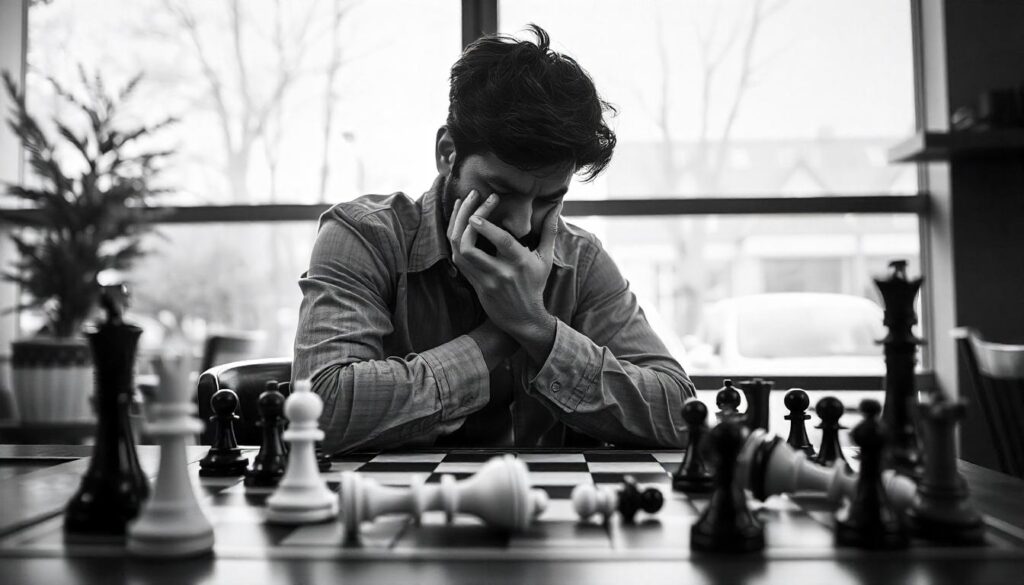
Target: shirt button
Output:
{"points": [[555, 386]]}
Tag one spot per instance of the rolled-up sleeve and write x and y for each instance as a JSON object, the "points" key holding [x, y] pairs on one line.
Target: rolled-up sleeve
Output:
{"points": [[374, 401], [608, 373]]}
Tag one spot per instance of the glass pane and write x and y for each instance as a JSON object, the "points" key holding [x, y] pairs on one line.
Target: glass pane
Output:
{"points": [[206, 279], [763, 294], [742, 97], [727, 294], [281, 102]]}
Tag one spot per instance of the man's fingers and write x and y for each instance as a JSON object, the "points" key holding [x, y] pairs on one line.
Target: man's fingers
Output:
{"points": [[487, 206], [547, 236], [460, 219], [480, 262], [455, 213], [485, 209], [506, 245]]}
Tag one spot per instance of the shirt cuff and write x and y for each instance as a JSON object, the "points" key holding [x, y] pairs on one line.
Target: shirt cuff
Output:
{"points": [[463, 382], [568, 375]]}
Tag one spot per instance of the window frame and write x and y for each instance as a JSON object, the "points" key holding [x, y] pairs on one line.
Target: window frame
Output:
{"points": [[481, 17]]}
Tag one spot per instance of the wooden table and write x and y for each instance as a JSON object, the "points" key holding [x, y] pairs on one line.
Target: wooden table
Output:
{"points": [[37, 480]]}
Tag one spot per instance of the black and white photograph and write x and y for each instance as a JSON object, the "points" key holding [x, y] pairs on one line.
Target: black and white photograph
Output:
{"points": [[511, 291]]}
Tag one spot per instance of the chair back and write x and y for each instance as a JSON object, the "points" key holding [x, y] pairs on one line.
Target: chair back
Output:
{"points": [[997, 373], [224, 348], [248, 379]]}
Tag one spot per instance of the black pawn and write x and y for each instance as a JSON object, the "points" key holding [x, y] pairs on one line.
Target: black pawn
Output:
{"points": [[796, 402], [869, 520], [224, 458], [830, 409], [323, 460], [693, 475], [727, 524], [269, 464], [633, 499], [728, 401]]}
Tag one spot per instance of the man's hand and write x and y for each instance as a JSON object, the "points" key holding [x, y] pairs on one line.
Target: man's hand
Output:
{"points": [[511, 284]]}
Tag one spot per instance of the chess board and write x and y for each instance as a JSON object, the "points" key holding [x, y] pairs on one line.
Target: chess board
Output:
{"points": [[795, 528]]}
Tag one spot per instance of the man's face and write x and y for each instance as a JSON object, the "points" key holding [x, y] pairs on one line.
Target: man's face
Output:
{"points": [[525, 197]]}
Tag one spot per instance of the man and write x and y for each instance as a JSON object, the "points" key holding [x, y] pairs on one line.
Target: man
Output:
{"points": [[474, 316]]}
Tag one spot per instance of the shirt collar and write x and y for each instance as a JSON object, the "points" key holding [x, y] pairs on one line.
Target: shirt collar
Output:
{"points": [[430, 245]]}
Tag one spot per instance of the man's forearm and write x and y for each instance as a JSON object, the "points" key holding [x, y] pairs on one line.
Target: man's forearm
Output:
{"points": [[393, 401], [537, 337], [494, 344], [611, 398]]}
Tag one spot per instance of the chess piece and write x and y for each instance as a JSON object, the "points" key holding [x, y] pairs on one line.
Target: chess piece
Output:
{"points": [[756, 392], [588, 499], [796, 402], [943, 510], [114, 487], [868, 520], [499, 494], [323, 460], [830, 409], [224, 459], [728, 401], [900, 343], [768, 466], [727, 524], [693, 475], [171, 523], [302, 496], [269, 464]]}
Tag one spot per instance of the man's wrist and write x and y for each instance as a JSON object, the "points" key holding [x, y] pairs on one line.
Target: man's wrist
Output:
{"points": [[495, 344], [537, 336]]}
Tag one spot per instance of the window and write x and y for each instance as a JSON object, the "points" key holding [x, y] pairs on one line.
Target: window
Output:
{"points": [[736, 99], [732, 98], [279, 102], [750, 161]]}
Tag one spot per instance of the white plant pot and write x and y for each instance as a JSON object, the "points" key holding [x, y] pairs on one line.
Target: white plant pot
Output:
{"points": [[52, 380]]}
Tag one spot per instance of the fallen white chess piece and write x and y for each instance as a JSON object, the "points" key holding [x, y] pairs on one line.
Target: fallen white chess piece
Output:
{"points": [[499, 494], [768, 466]]}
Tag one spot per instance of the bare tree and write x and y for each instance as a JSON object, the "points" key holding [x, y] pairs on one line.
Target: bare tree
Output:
{"points": [[723, 44], [339, 10], [718, 45], [243, 118]]}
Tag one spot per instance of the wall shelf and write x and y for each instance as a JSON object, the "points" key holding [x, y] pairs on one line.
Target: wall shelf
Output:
{"points": [[943, 146]]}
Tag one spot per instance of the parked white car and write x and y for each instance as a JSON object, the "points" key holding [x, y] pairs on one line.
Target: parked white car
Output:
{"points": [[789, 333]]}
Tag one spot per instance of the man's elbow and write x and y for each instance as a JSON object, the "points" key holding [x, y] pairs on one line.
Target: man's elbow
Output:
{"points": [[336, 417]]}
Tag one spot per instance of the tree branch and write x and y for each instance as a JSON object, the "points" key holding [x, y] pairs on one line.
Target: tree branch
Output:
{"points": [[188, 22]]}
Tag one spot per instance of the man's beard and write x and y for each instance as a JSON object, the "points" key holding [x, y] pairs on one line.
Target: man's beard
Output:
{"points": [[448, 198]]}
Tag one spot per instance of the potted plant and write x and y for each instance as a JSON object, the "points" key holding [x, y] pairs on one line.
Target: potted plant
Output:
{"points": [[86, 212]]}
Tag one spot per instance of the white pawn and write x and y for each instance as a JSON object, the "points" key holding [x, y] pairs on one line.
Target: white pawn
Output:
{"points": [[499, 494], [171, 523], [589, 499], [302, 496]]}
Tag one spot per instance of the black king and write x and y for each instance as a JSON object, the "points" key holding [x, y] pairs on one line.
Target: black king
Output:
{"points": [[900, 343], [114, 486]]}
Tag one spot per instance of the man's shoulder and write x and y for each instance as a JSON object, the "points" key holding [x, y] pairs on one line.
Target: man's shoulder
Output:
{"points": [[393, 210], [576, 247], [385, 223]]}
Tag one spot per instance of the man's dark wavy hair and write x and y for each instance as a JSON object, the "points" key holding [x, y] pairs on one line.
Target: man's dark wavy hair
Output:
{"points": [[529, 105]]}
